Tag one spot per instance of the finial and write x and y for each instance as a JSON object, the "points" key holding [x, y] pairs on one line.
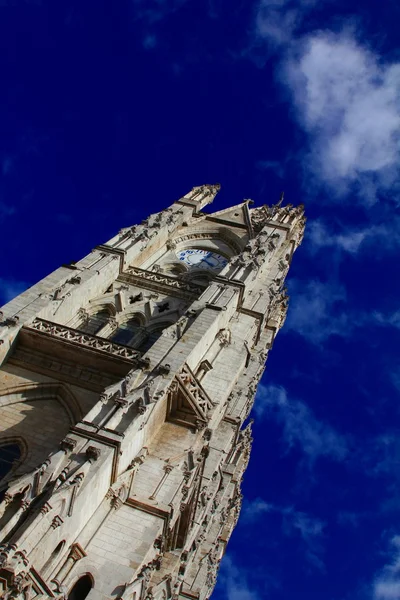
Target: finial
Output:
{"points": [[281, 199]]}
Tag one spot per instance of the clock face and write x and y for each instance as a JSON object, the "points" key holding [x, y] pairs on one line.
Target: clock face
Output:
{"points": [[202, 259]]}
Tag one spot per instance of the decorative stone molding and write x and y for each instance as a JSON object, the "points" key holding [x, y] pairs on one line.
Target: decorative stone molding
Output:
{"points": [[83, 339], [112, 323], [87, 377], [187, 378], [171, 245], [56, 522], [221, 234], [160, 282]]}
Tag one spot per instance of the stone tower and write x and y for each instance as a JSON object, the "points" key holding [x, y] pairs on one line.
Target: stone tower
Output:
{"points": [[126, 382]]}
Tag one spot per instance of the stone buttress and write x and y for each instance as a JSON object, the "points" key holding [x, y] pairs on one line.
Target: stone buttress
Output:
{"points": [[126, 382]]}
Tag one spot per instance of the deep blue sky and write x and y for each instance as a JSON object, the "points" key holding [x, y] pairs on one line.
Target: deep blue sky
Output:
{"points": [[112, 110]]}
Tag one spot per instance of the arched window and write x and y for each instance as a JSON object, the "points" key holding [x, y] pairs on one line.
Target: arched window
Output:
{"points": [[126, 332], [10, 457], [95, 322], [10, 454], [151, 338], [81, 588]]}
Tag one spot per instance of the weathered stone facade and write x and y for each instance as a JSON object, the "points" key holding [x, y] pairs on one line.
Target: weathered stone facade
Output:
{"points": [[125, 385]]}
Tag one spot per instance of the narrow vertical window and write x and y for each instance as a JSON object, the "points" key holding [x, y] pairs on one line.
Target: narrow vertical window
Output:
{"points": [[95, 322], [54, 555], [151, 338], [126, 332], [10, 455], [81, 588]]}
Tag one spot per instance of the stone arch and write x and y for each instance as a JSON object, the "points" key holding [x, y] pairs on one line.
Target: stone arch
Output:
{"points": [[200, 276], [230, 243], [81, 587], [153, 332], [39, 416], [19, 441], [127, 315], [96, 317], [37, 391], [129, 329], [104, 304]]}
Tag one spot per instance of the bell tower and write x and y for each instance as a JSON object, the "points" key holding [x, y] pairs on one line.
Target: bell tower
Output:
{"points": [[126, 382]]}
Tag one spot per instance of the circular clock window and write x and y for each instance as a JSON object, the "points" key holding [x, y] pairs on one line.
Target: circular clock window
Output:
{"points": [[201, 259]]}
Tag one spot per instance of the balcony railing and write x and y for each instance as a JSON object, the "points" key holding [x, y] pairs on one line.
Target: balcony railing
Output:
{"points": [[86, 340]]}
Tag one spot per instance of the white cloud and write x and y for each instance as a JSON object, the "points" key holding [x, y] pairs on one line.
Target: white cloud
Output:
{"points": [[294, 524], [349, 240], [9, 288], [275, 24], [318, 310], [387, 582], [253, 510], [301, 428], [6, 211], [392, 319], [345, 98], [348, 102], [235, 582], [277, 20], [150, 42]]}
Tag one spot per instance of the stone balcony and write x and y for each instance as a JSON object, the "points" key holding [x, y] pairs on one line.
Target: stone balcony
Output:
{"points": [[48, 347]]}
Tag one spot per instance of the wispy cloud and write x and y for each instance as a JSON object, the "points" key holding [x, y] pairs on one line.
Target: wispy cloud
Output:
{"points": [[275, 166], [301, 428], [345, 98], [348, 102], [235, 581], [150, 42], [152, 11], [294, 523], [320, 235], [277, 21], [9, 288], [387, 582], [380, 456], [6, 211], [391, 319], [319, 310]]}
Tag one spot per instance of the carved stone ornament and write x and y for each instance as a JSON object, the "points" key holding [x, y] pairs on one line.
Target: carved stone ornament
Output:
{"points": [[56, 522], [164, 369], [207, 435], [84, 339], [160, 282], [171, 245], [224, 336], [12, 321], [93, 453], [68, 444]]}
